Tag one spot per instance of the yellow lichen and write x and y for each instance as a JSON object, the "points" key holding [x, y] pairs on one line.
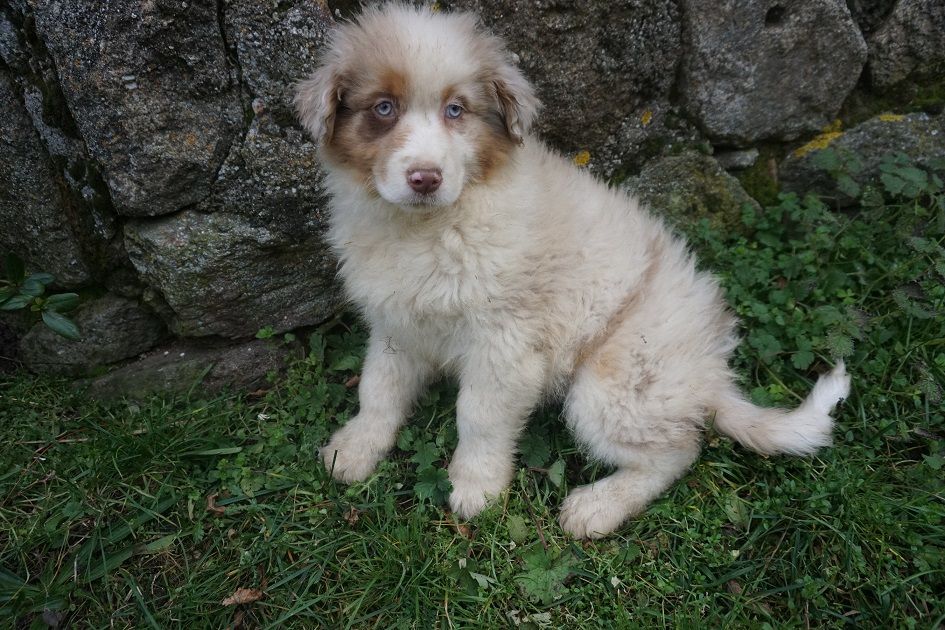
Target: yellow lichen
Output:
{"points": [[891, 117], [435, 7], [834, 127], [582, 158], [646, 118], [822, 141]]}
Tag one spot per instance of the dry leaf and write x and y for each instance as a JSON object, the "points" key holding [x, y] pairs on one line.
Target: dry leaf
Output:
{"points": [[734, 587], [353, 381], [212, 505], [243, 596], [352, 515]]}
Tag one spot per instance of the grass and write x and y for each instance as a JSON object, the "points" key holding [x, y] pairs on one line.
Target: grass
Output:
{"points": [[150, 514]]}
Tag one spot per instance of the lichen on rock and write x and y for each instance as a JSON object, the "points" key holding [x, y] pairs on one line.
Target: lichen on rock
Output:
{"points": [[918, 136]]}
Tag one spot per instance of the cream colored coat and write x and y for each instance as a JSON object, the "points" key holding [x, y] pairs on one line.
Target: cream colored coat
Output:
{"points": [[538, 280]]}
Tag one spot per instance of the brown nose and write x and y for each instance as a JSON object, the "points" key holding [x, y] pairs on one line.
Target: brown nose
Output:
{"points": [[425, 180]]}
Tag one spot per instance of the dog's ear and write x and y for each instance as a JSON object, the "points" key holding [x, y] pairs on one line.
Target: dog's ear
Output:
{"points": [[517, 101], [316, 102]]}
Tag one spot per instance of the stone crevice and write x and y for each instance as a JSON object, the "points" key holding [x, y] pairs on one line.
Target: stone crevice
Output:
{"points": [[244, 94], [85, 200]]}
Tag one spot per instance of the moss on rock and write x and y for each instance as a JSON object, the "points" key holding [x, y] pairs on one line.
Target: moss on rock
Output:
{"points": [[688, 187]]}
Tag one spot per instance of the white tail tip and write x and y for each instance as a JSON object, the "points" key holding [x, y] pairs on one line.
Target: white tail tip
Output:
{"points": [[830, 389]]}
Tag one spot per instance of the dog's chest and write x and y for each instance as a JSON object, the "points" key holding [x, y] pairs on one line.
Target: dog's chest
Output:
{"points": [[417, 272]]}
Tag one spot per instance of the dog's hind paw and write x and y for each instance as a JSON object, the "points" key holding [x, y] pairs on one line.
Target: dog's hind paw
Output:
{"points": [[586, 513]]}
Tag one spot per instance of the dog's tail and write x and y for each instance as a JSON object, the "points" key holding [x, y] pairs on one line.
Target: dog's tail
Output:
{"points": [[798, 432]]}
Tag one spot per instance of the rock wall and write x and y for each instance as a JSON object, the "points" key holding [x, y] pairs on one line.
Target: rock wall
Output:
{"points": [[767, 70], [149, 156]]}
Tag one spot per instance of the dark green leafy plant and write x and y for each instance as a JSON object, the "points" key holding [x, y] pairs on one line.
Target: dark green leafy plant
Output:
{"points": [[545, 574], [843, 166], [19, 291], [806, 280], [904, 180]]}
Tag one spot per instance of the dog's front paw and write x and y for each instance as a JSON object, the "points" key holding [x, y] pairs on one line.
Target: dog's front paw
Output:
{"points": [[467, 501], [586, 513], [472, 493], [349, 455]]}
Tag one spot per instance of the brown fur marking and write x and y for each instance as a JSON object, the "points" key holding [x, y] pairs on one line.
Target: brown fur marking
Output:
{"points": [[393, 82], [493, 151], [361, 138], [591, 348]]}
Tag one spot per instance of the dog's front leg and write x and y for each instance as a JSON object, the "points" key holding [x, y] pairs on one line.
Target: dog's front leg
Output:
{"points": [[498, 389], [390, 382]]}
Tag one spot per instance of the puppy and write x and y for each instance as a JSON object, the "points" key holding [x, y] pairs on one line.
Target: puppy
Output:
{"points": [[474, 250]]}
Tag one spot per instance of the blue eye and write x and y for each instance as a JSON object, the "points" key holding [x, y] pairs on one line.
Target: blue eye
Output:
{"points": [[454, 110], [384, 109]]}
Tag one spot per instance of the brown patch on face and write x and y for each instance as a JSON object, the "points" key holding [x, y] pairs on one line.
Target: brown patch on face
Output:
{"points": [[492, 152], [450, 94], [362, 137], [392, 82], [482, 122], [347, 147], [373, 127]]}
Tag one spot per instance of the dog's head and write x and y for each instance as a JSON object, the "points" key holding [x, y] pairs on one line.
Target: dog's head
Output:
{"points": [[416, 105]]}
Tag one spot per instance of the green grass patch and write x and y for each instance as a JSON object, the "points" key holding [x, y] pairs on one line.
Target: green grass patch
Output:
{"points": [[150, 514]]}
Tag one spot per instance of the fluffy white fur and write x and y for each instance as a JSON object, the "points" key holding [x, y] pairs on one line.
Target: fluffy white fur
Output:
{"points": [[531, 280]]}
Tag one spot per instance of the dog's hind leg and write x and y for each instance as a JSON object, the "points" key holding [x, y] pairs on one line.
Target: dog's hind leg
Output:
{"points": [[639, 418], [597, 509]]}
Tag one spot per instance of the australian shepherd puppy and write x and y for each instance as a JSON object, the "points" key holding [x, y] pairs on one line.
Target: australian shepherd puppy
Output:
{"points": [[473, 249]]}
